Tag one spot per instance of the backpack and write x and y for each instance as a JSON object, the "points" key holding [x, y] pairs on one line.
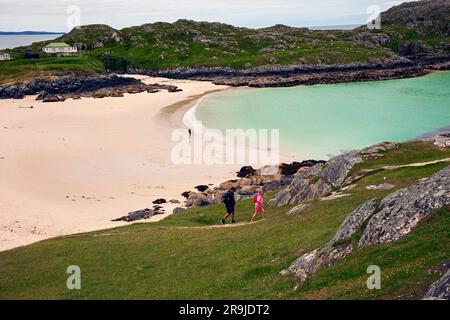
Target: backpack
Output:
{"points": [[255, 198], [228, 198]]}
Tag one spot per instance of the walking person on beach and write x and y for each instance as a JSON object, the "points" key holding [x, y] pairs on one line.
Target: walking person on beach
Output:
{"points": [[230, 203], [259, 205]]}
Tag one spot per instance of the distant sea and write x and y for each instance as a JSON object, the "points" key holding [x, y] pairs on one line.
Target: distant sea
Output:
{"points": [[13, 41], [340, 27]]}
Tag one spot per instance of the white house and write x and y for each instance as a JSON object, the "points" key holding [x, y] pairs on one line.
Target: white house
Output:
{"points": [[5, 56], [59, 48]]}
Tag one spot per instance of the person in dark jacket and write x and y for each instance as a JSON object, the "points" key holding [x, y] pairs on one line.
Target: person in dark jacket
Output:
{"points": [[230, 203]]}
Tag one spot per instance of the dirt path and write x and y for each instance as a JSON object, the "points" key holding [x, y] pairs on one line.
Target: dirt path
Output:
{"points": [[415, 165]]}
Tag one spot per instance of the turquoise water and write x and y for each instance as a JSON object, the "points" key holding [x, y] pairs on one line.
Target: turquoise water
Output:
{"points": [[326, 120]]}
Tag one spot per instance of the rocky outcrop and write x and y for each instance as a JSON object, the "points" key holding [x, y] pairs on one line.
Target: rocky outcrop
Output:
{"points": [[339, 247], [323, 178], [294, 75], [337, 169], [249, 182], [440, 290], [383, 222], [403, 210], [59, 89], [136, 216], [297, 209], [302, 188], [440, 138]]}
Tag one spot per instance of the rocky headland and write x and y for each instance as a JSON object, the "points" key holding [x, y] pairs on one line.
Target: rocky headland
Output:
{"points": [[294, 75], [60, 89]]}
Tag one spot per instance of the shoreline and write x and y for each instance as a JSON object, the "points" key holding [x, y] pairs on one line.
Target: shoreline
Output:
{"points": [[295, 75], [31, 217]]}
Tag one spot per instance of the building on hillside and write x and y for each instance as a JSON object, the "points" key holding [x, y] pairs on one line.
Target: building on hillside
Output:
{"points": [[5, 56], [59, 49]]}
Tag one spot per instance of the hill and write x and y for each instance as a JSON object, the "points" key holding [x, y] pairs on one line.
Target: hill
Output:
{"points": [[410, 33], [188, 257]]}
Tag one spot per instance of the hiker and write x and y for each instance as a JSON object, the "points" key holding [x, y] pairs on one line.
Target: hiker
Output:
{"points": [[258, 199], [230, 203]]}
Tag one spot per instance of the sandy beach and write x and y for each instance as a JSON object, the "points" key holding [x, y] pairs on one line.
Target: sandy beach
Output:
{"points": [[72, 166]]}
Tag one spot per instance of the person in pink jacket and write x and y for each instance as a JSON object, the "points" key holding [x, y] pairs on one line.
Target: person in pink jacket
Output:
{"points": [[259, 205]]}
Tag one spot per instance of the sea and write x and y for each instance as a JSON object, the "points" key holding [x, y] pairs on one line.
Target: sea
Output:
{"points": [[319, 122], [13, 41]]}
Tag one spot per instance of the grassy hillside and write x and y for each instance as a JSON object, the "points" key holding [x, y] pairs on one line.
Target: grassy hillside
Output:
{"points": [[188, 257], [23, 69]]}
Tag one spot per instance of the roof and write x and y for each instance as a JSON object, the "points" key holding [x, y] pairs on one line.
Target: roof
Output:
{"points": [[58, 45]]}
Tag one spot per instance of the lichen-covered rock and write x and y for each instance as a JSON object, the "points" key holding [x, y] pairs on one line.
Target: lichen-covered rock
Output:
{"points": [[355, 221], [401, 211], [440, 290], [337, 169], [338, 248], [391, 219], [302, 188], [440, 140], [317, 181], [297, 209]]}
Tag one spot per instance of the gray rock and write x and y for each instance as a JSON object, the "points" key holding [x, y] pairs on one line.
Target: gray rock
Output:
{"points": [[321, 179], [338, 248], [337, 169], [137, 215], [297, 209], [302, 188], [440, 290], [390, 220], [178, 210], [355, 221], [440, 140], [401, 211]]}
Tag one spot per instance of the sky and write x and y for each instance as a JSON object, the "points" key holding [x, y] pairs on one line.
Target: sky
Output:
{"points": [[62, 15]]}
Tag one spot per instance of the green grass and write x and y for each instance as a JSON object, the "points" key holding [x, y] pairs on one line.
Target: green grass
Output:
{"points": [[407, 267], [24, 69], [408, 153], [181, 258]]}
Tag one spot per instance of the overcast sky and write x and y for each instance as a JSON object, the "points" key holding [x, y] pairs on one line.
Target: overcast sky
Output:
{"points": [[52, 15]]}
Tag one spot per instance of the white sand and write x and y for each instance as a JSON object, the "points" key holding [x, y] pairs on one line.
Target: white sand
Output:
{"points": [[73, 166]]}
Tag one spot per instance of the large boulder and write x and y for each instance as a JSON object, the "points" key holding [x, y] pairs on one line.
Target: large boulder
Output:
{"points": [[339, 247], [302, 188], [337, 169], [403, 210]]}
